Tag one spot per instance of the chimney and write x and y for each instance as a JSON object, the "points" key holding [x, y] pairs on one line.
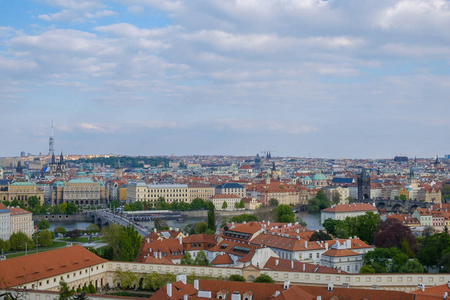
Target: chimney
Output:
{"points": [[277, 261], [306, 244], [326, 245], [196, 285], [319, 297], [277, 293], [185, 297], [330, 287], [148, 240], [169, 290], [154, 229], [292, 264], [445, 295], [286, 285], [180, 239], [170, 228], [235, 296], [182, 278], [304, 267], [421, 286]]}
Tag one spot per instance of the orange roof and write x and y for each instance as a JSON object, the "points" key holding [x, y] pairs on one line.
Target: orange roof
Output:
{"points": [[293, 265], [18, 211], [340, 252], [225, 196], [351, 207], [33, 267], [224, 259]]}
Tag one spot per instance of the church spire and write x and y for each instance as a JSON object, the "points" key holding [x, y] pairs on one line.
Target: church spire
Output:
{"points": [[61, 158]]}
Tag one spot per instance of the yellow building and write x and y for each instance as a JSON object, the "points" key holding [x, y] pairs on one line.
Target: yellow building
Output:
{"points": [[79, 191], [404, 191], [200, 190], [22, 191]]}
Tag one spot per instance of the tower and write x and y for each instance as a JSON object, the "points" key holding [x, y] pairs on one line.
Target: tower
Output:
{"points": [[51, 143], [363, 186]]}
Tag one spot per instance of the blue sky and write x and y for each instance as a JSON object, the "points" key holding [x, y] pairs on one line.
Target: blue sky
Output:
{"points": [[156, 77]]}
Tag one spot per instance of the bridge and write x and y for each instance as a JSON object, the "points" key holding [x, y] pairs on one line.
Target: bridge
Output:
{"points": [[399, 206], [102, 217]]}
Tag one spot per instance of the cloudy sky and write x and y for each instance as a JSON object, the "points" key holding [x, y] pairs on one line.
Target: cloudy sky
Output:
{"points": [[305, 78]]}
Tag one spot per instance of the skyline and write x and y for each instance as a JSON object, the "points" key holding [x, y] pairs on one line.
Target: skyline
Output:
{"points": [[306, 78]]}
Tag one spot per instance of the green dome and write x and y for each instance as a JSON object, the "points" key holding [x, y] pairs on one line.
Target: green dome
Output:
{"points": [[307, 178], [319, 176]]}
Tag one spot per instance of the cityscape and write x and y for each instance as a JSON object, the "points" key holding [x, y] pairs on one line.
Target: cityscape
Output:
{"points": [[238, 150]]}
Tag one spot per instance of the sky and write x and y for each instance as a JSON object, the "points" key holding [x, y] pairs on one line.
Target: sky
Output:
{"points": [[304, 78]]}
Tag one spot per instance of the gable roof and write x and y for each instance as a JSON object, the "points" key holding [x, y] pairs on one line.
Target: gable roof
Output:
{"points": [[33, 267]]}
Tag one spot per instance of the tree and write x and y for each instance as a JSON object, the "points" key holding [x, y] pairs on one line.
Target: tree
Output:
{"points": [[43, 224], [160, 224], [130, 243], [201, 227], [366, 270], [392, 233], [63, 207], [15, 203], [73, 234], [33, 201], [161, 204], [264, 278], [186, 259], [4, 246], [71, 209], [60, 230], [126, 279], [273, 202], [350, 199], [241, 204], [319, 202], [244, 218], [412, 266], [330, 225], [92, 227], [126, 207], [20, 241], [92, 289], [65, 293], [388, 260], [211, 216], [336, 197], [433, 248], [224, 205], [366, 226], [320, 236], [45, 238], [402, 197], [201, 259], [55, 210], [198, 203], [285, 214], [236, 277]]}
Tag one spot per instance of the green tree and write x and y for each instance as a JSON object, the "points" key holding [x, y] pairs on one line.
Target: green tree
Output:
{"points": [[55, 210], [236, 277], [411, 266], [264, 278], [402, 197], [126, 207], [319, 202], [201, 259], [161, 204], [126, 279], [243, 218], [201, 227], [65, 293], [15, 203], [73, 234], [273, 202], [366, 270], [211, 216], [285, 214], [60, 230], [20, 241], [63, 207], [92, 289], [71, 209], [320, 236], [130, 243], [336, 197], [33, 201], [160, 224], [224, 205], [350, 199], [92, 227], [330, 225], [45, 238], [433, 248], [4, 246], [186, 259], [43, 224], [198, 203], [241, 204]]}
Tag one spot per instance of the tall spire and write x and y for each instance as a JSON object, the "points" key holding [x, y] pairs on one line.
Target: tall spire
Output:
{"points": [[61, 159], [51, 143]]}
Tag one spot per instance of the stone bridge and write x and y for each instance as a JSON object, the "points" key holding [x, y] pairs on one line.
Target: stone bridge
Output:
{"points": [[102, 217], [399, 206]]}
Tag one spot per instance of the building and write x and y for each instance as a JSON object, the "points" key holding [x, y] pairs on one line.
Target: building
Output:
{"points": [[342, 192], [21, 220], [424, 216], [75, 265], [201, 190], [251, 203], [139, 191], [231, 200], [340, 212], [341, 257], [363, 186], [231, 188], [5, 216], [20, 190], [80, 191]]}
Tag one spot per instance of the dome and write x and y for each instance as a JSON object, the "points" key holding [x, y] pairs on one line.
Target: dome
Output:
{"points": [[307, 178], [58, 183], [319, 176]]}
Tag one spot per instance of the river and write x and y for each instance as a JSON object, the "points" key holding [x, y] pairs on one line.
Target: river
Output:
{"points": [[311, 219]]}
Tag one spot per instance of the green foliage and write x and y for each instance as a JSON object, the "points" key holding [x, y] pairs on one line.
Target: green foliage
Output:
{"points": [[201, 259], [236, 277], [92, 289], [434, 248], [363, 226], [201, 227], [126, 279], [243, 218], [63, 207], [130, 243], [285, 214], [126, 207], [4, 246], [179, 206], [43, 224], [264, 278], [160, 224], [366, 270], [335, 197], [161, 204], [186, 259], [154, 281], [19, 240], [319, 202], [211, 216], [65, 293], [33, 201], [320, 236], [402, 197], [330, 225], [273, 202], [73, 234], [391, 260], [224, 205], [198, 203], [60, 229], [6, 203], [92, 227], [15, 203], [56, 210], [71, 209], [44, 238]]}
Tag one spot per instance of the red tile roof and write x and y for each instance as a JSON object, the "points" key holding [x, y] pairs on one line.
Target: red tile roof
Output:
{"points": [[351, 207], [33, 267], [293, 265], [340, 253]]}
